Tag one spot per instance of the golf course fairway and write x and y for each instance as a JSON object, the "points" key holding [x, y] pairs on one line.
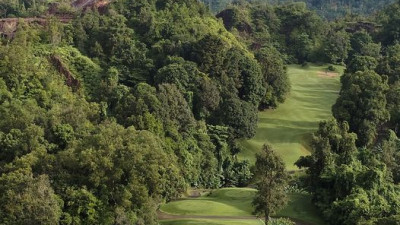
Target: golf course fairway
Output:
{"points": [[233, 206], [211, 222], [289, 127]]}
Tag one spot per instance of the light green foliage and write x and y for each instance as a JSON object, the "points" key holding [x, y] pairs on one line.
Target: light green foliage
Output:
{"points": [[81, 207], [26, 199], [125, 165], [281, 222], [82, 68]]}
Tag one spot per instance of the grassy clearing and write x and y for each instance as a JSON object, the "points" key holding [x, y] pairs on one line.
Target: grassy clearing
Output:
{"points": [[237, 202], [301, 208], [222, 202], [289, 127], [211, 222]]}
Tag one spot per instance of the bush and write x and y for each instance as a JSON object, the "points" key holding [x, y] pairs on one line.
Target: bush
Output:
{"points": [[331, 68], [281, 221]]}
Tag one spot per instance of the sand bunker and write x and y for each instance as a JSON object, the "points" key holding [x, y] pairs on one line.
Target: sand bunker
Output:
{"points": [[327, 74]]}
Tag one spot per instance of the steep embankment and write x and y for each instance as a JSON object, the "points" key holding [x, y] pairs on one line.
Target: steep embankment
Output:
{"points": [[289, 127]]}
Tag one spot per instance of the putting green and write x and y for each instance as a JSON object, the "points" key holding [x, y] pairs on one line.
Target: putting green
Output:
{"points": [[222, 202], [211, 222], [233, 202], [289, 127]]}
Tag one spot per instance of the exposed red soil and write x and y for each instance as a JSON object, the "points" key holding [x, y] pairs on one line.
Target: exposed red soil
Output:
{"points": [[327, 74], [69, 78]]}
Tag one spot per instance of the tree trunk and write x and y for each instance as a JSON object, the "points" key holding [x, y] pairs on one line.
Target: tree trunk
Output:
{"points": [[267, 218]]}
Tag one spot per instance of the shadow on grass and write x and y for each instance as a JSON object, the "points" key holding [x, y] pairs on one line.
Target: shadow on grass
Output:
{"points": [[289, 124]]}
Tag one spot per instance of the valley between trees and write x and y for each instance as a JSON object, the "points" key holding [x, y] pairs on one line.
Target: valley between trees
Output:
{"points": [[314, 90], [289, 127], [111, 111]]}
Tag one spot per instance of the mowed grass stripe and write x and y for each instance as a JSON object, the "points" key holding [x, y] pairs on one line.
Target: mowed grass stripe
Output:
{"points": [[289, 127], [211, 222], [222, 202], [236, 202]]}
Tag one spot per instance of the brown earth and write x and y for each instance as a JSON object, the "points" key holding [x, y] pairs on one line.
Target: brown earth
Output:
{"points": [[327, 74]]}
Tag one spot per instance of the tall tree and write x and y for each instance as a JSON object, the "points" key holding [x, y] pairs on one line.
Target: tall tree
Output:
{"points": [[272, 178], [362, 103]]}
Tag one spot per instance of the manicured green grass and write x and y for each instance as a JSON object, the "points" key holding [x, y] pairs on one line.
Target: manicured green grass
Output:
{"points": [[211, 222], [301, 208], [237, 202], [289, 127], [222, 202]]}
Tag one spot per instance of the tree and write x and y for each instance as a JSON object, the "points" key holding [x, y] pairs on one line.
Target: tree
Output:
{"points": [[390, 19], [28, 200], [271, 179], [389, 64], [240, 116], [362, 103], [349, 185], [275, 78], [336, 46]]}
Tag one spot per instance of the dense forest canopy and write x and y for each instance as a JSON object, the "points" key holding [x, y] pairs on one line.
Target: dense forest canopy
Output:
{"points": [[109, 110], [328, 9]]}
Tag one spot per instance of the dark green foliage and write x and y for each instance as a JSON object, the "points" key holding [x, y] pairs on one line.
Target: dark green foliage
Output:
{"points": [[240, 116], [120, 116], [350, 185], [328, 9], [390, 65], [271, 179], [275, 77], [336, 46], [390, 18], [362, 103], [106, 117], [292, 28], [237, 173], [257, 22]]}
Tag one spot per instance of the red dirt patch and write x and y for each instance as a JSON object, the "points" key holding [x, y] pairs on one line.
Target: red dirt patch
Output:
{"points": [[327, 74]]}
